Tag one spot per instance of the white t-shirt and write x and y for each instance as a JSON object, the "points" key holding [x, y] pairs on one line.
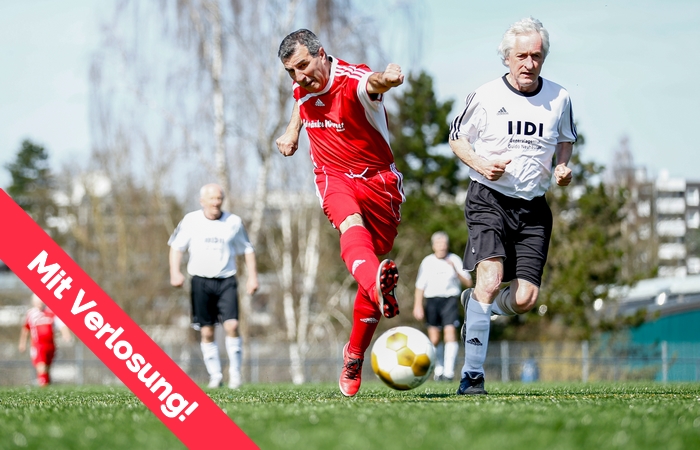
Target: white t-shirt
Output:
{"points": [[213, 244], [502, 123], [437, 277]]}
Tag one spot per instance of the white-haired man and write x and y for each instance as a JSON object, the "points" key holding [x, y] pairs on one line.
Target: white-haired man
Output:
{"points": [[214, 238], [438, 285], [513, 133]]}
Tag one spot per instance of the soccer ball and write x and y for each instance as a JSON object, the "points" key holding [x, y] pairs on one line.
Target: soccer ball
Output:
{"points": [[403, 358]]}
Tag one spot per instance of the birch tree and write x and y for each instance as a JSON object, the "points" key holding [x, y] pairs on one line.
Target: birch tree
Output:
{"points": [[205, 85]]}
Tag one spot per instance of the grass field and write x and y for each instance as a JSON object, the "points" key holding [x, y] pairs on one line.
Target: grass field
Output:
{"points": [[316, 416]]}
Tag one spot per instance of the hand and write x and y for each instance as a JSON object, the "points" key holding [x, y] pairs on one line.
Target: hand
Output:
{"points": [[288, 143], [493, 170], [392, 76], [177, 279], [562, 175], [418, 312], [22, 347], [251, 285]]}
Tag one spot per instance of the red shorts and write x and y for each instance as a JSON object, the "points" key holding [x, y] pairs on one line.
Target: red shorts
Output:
{"points": [[42, 354], [376, 196]]}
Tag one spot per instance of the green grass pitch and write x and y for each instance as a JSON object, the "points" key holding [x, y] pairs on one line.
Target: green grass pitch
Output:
{"points": [[316, 416]]}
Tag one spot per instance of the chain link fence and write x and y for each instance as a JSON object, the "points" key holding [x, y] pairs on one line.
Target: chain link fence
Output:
{"points": [[267, 361]]}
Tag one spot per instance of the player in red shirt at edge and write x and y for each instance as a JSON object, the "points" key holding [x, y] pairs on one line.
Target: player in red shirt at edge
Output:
{"points": [[341, 106], [39, 323]]}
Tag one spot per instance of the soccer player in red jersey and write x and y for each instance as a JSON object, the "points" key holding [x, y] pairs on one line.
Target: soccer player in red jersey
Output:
{"points": [[39, 323], [341, 106]]}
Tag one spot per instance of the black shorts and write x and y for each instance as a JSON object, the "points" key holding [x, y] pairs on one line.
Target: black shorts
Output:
{"points": [[441, 311], [514, 229], [214, 300]]}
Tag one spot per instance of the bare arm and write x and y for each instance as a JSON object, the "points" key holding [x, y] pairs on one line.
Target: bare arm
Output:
{"points": [[65, 333], [289, 141], [380, 82], [251, 284], [418, 311], [466, 281], [491, 170], [562, 173], [176, 276], [23, 339]]}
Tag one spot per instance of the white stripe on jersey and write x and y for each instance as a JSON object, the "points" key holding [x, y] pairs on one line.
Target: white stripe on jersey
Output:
{"points": [[374, 110]]}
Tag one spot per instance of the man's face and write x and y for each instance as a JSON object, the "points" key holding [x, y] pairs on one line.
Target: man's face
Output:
{"points": [[37, 303], [525, 62], [211, 203], [440, 248], [311, 72]]}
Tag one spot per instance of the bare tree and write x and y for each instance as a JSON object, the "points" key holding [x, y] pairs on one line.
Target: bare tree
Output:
{"points": [[205, 86]]}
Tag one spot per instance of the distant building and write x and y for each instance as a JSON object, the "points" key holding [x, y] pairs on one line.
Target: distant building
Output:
{"points": [[663, 224]]}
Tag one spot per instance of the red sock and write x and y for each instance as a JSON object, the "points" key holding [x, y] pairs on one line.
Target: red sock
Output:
{"points": [[365, 319], [43, 378], [357, 251]]}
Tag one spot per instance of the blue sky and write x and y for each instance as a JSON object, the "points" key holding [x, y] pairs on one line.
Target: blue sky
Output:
{"points": [[45, 49], [629, 66]]}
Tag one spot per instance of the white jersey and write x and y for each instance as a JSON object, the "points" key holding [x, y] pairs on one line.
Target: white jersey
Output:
{"points": [[503, 123], [213, 244], [437, 277]]}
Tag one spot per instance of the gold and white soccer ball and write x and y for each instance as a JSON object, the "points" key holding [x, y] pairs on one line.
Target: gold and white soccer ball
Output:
{"points": [[403, 358]]}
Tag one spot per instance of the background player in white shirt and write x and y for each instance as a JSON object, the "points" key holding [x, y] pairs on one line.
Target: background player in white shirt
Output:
{"points": [[214, 238], [508, 134], [439, 283]]}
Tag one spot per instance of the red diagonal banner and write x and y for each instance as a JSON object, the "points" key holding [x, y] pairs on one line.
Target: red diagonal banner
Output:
{"points": [[112, 335]]}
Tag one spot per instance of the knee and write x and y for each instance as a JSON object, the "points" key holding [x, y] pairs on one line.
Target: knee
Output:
{"points": [[489, 283], [231, 327], [350, 221], [207, 334], [526, 298], [450, 333]]}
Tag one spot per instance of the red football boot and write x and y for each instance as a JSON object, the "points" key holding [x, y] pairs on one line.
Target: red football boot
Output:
{"points": [[351, 375], [387, 278]]}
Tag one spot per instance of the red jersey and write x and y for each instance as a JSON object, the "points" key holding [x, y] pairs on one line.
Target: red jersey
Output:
{"points": [[348, 129], [40, 325]]}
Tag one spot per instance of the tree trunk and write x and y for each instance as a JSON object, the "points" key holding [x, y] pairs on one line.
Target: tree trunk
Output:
{"points": [[310, 271], [216, 70], [296, 369]]}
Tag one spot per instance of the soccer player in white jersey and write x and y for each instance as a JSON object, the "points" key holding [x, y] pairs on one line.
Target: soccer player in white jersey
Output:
{"points": [[512, 132], [214, 238], [438, 284]]}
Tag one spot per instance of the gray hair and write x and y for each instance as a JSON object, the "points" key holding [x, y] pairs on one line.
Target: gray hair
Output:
{"points": [[437, 235], [203, 190], [293, 40], [525, 26]]}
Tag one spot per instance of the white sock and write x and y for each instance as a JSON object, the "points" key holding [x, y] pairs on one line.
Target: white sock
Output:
{"points": [[451, 349], [210, 352], [502, 303], [477, 339], [235, 357], [439, 351]]}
